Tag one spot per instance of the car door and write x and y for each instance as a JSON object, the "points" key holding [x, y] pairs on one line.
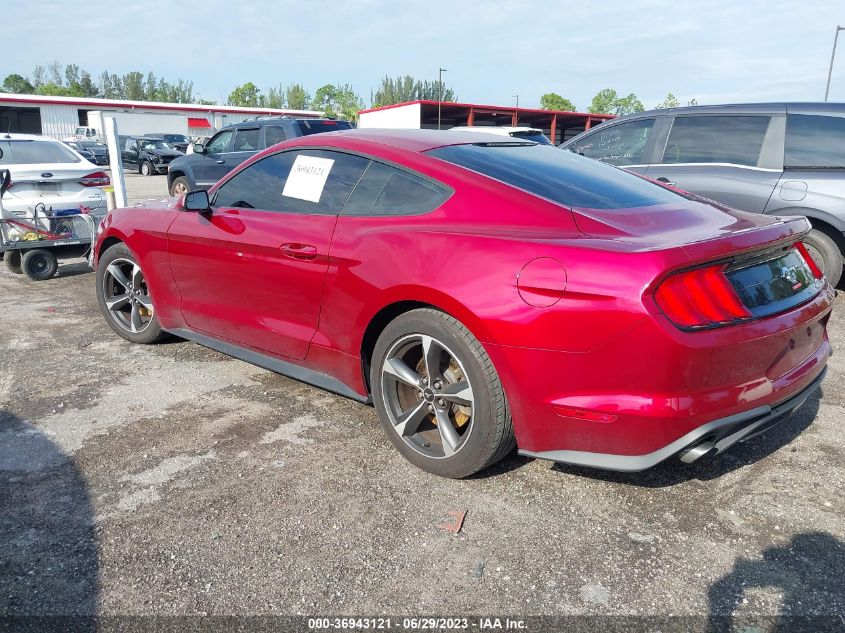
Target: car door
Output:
{"points": [[251, 271], [211, 166], [735, 159], [129, 153], [626, 144]]}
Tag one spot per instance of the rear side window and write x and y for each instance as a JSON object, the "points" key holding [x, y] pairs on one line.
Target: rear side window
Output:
{"points": [[385, 190], [736, 140], [315, 127], [814, 141], [274, 134], [317, 186], [33, 152], [621, 144], [558, 175], [246, 140]]}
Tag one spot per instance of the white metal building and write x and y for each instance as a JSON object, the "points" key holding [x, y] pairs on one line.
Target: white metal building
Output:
{"points": [[60, 116]]}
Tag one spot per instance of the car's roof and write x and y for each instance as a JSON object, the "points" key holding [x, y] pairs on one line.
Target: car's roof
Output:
{"points": [[275, 120], [413, 140], [805, 107], [14, 136]]}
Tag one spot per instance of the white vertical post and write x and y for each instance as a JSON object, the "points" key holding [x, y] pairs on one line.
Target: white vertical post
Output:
{"points": [[115, 161]]}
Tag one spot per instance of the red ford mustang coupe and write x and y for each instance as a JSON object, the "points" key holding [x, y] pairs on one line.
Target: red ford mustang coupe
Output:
{"points": [[484, 295]]}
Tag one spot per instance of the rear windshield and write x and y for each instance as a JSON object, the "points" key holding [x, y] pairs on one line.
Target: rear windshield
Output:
{"points": [[315, 127], [537, 137], [558, 175], [34, 152]]}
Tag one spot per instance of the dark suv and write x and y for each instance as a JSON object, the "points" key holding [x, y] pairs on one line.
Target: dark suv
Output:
{"points": [[234, 144], [778, 159], [149, 156]]}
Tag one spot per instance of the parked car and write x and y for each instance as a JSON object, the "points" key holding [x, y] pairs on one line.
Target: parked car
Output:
{"points": [[232, 145], [484, 294], [783, 159], [176, 141], [85, 153], [46, 171], [525, 133], [99, 150], [149, 156], [85, 133]]}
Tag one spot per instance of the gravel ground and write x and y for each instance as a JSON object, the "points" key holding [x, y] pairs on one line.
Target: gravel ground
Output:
{"points": [[172, 480]]}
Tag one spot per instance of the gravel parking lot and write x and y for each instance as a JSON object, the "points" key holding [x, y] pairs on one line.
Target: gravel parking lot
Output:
{"points": [[173, 480]]}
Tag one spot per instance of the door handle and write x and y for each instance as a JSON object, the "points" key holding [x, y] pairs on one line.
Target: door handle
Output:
{"points": [[665, 181], [221, 162], [299, 251]]}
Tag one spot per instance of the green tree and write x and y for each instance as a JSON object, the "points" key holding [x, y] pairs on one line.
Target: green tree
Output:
{"points": [[669, 102], [133, 86], [692, 102], [407, 88], [338, 101], [55, 73], [247, 95], [297, 97], [38, 76], [553, 101], [87, 85], [275, 97], [607, 101], [18, 85]]}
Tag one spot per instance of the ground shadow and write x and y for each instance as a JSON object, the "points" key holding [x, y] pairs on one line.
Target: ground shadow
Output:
{"points": [[808, 571], [673, 471], [48, 547]]}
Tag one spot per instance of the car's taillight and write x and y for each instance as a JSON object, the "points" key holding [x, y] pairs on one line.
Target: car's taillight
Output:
{"points": [[96, 179], [811, 264], [700, 298]]}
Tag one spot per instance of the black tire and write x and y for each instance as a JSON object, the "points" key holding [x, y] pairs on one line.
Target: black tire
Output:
{"points": [[39, 264], [491, 437], [147, 168], [13, 262], [826, 254], [181, 181], [152, 332]]}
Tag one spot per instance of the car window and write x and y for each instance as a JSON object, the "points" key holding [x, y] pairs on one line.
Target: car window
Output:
{"points": [[716, 139], [559, 176], [814, 141], [385, 190], [33, 152], [246, 140], [274, 134], [220, 143], [131, 145], [307, 127], [537, 137], [320, 183], [621, 144]]}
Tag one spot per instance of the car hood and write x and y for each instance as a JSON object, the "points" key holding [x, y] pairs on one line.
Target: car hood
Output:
{"points": [[164, 152], [156, 204], [699, 226]]}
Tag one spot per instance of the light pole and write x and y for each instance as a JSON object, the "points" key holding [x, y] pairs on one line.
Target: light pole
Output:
{"points": [[832, 55], [439, 93], [517, 100]]}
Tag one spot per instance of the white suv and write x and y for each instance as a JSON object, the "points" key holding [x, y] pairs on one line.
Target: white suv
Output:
{"points": [[522, 133]]}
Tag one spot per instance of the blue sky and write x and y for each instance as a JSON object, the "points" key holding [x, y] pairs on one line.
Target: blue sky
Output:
{"points": [[717, 51]]}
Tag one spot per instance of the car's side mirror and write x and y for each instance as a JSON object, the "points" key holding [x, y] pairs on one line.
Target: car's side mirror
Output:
{"points": [[199, 148], [197, 201], [5, 181]]}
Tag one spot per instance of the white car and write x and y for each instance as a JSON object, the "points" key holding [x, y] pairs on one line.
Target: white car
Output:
{"points": [[47, 172], [522, 133]]}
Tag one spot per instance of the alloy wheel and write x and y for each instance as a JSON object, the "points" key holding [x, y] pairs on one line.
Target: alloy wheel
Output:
{"points": [[428, 395], [126, 296], [179, 188]]}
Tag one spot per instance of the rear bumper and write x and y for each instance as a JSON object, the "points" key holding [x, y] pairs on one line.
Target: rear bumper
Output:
{"points": [[708, 439]]}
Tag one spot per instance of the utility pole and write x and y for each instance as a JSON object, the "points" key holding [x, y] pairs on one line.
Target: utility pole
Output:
{"points": [[517, 100], [832, 55], [439, 93]]}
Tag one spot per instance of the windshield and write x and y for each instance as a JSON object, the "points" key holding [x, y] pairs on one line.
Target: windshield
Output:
{"points": [[93, 145], [315, 127], [154, 144], [559, 176], [537, 137], [34, 152]]}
